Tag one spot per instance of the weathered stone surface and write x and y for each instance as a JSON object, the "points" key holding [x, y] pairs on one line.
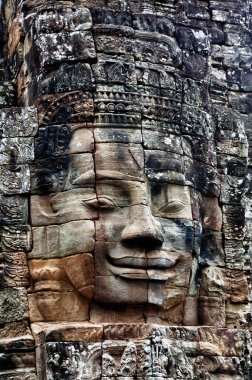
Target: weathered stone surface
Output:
{"points": [[18, 122], [72, 46], [57, 140], [230, 284], [13, 305], [61, 173], [63, 19], [19, 150], [14, 269], [67, 107], [15, 179], [15, 238], [13, 210], [60, 208], [126, 160], [64, 240], [129, 124]]}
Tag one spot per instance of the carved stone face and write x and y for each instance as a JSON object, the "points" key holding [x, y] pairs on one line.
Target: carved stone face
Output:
{"points": [[144, 234], [133, 221], [126, 196]]}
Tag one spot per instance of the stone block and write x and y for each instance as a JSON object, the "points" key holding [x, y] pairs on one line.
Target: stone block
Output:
{"points": [[161, 166], [166, 142], [235, 255], [18, 150], [58, 291], [18, 122], [13, 305], [171, 201], [119, 135], [237, 315], [15, 238], [200, 149], [68, 77], [54, 48], [25, 374], [229, 283], [61, 274], [53, 306], [211, 311], [233, 148], [68, 332], [112, 70], [14, 270], [119, 161], [107, 289], [77, 359], [232, 189], [7, 95], [123, 313], [66, 107], [17, 360], [163, 126], [64, 240], [202, 177], [63, 207], [59, 140], [15, 179], [233, 222], [221, 337], [109, 227], [178, 234], [62, 173], [211, 248], [13, 210], [64, 19], [195, 121], [13, 330], [115, 194]]}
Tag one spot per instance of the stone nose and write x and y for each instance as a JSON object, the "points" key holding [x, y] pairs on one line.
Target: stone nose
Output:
{"points": [[142, 230]]}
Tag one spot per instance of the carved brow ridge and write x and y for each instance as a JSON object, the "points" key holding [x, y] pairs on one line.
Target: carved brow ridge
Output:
{"points": [[89, 176]]}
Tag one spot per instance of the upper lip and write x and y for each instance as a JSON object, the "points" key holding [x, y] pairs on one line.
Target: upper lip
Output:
{"points": [[156, 259], [143, 263]]}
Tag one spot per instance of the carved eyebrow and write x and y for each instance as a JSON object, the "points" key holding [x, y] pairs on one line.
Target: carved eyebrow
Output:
{"points": [[113, 174], [85, 178], [89, 177]]}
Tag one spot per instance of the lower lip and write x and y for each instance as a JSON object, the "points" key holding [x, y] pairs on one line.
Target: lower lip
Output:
{"points": [[54, 286], [150, 273]]}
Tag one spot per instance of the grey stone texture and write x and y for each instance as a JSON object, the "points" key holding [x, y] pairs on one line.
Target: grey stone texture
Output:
{"points": [[125, 189]]}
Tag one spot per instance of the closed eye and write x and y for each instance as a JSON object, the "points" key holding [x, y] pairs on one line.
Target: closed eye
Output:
{"points": [[102, 202], [173, 207]]}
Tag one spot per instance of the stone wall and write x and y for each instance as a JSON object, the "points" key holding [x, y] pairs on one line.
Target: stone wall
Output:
{"points": [[125, 191]]}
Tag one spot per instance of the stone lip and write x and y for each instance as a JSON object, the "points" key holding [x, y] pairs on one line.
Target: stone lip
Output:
{"points": [[144, 266]]}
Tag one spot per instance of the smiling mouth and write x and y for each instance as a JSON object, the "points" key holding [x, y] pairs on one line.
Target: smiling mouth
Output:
{"points": [[155, 265]]}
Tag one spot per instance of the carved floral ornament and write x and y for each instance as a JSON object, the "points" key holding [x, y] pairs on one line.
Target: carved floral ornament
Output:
{"points": [[125, 190]]}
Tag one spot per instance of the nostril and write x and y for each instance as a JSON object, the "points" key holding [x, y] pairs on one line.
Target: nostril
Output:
{"points": [[147, 242], [144, 236]]}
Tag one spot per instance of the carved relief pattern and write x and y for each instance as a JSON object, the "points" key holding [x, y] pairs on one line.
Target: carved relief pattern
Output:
{"points": [[125, 196]]}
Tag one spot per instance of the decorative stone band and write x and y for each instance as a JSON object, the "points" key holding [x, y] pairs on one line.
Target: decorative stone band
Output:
{"points": [[142, 351]]}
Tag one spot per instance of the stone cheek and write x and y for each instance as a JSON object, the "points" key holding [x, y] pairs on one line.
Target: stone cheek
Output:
{"points": [[125, 194]]}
